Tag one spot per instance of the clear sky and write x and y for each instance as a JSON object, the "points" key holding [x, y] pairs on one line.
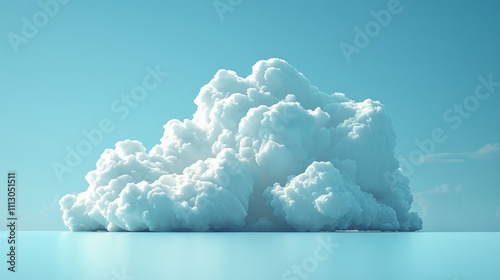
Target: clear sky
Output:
{"points": [[65, 67]]}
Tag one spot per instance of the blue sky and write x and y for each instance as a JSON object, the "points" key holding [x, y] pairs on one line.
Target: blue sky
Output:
{"points": [[428, 57]]}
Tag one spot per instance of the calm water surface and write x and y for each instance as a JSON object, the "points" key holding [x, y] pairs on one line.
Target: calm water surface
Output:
{"points": [[297, 256]]}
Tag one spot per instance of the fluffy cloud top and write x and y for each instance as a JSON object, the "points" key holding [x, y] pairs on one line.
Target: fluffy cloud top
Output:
{"points": [[266, 152]]}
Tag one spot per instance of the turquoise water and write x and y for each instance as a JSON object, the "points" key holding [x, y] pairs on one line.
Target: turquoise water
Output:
{"points": [[127, 256]]}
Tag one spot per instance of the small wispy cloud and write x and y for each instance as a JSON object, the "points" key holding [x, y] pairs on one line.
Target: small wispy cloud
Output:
{"points": [[441, 189], [425, 198], [488, 151]]}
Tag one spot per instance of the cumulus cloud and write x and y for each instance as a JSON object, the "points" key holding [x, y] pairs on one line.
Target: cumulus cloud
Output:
{"points": [[488, 151], [266, 152]]}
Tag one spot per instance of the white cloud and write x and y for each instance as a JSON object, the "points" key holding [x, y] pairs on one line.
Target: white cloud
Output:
{"points": [[265, 152], [443, 188], [438, 194], [488, 151]]}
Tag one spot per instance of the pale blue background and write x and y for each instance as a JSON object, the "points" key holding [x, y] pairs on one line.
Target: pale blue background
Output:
{"points": [[428, 58]]}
